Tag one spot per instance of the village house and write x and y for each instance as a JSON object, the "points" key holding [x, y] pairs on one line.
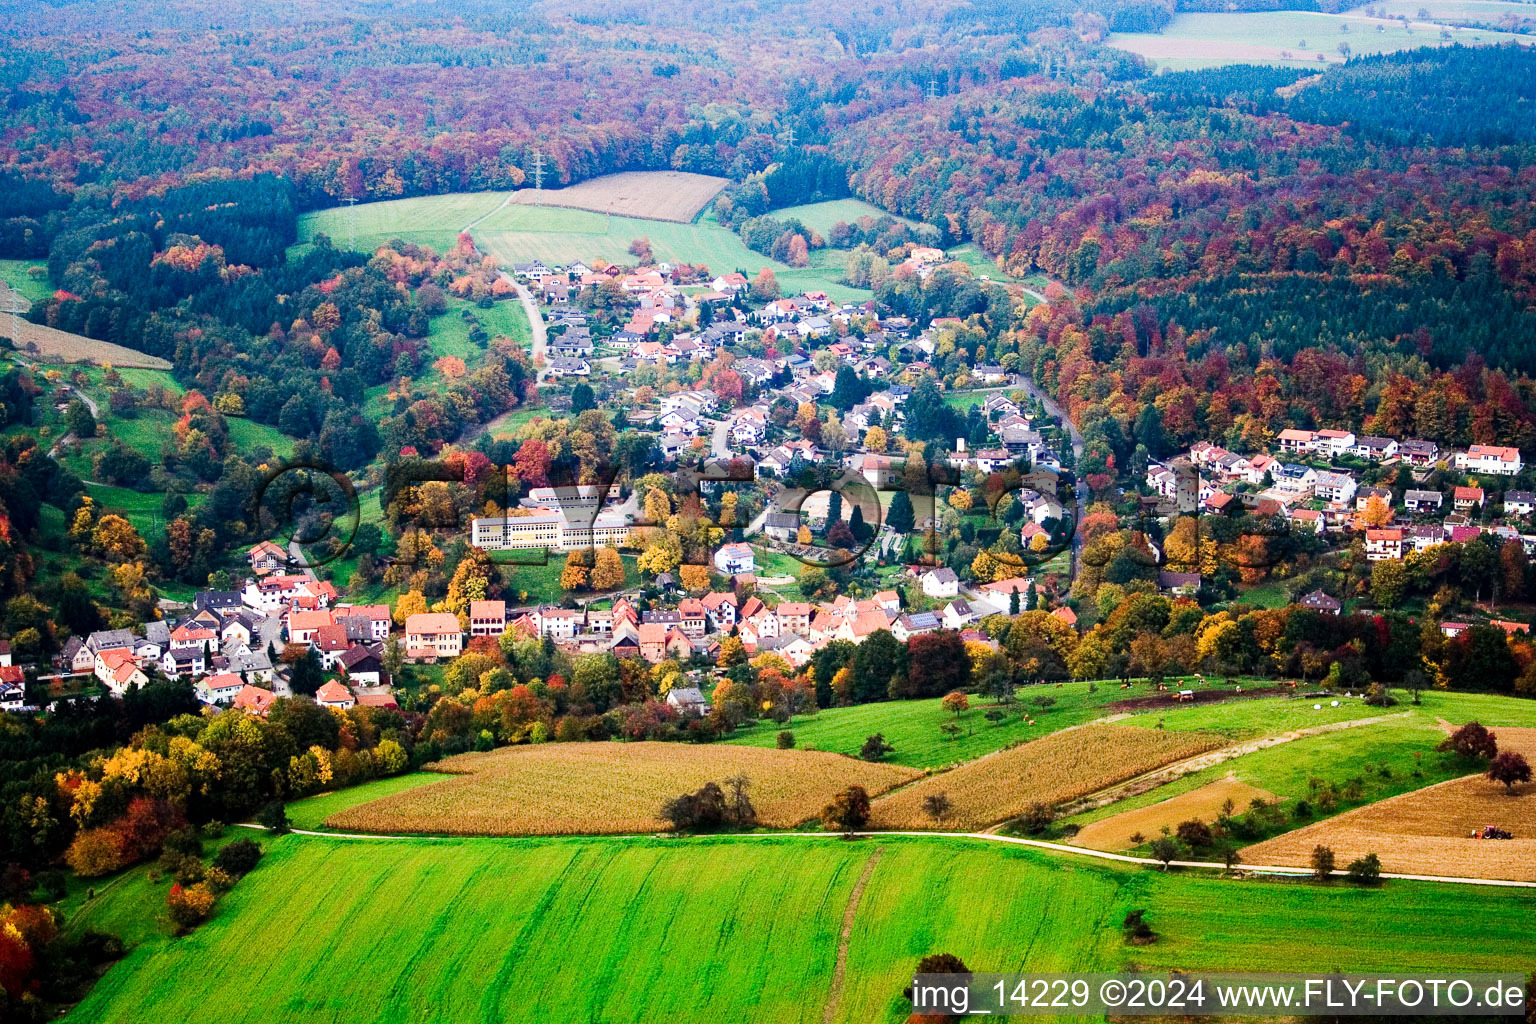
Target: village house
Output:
{"points": [[941, 583], [118, 670], [1294, 441], [1519, 503], [487, 618], [1467, 498], [1321, 601], [433, 635], [1383, 544], [1487, 458], [1423, 501], [362, 666], [1419, 453], [1330, 486], [735, 559], [1375, 449], [334, 695]]}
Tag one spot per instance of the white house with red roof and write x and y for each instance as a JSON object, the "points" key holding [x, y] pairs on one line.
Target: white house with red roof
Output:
{"points": [[334, 695], [1488, 458]]}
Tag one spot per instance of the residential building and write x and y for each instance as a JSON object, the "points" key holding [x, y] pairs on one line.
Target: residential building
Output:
{"points": [[941, 583], [335, 695], [1321, 601], [433, 635], [735, 559], [487, 618], [1423, 501], [1488, 458], [1519, 503], [1383, 544], [1467, 498]]}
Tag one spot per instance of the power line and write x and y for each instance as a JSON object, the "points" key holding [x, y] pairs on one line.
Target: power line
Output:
{"points": [[351, 223], [789, 133], [538, 169], [933, 88]]}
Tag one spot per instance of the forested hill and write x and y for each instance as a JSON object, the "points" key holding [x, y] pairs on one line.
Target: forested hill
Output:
{"points": [[1455, 96]]}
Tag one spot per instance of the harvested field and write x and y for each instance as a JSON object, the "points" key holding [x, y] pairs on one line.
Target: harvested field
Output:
{"points": [[654, 195], [594, 788], [1062, 766], [1114, 833], [1425, 832], [55, 346]]}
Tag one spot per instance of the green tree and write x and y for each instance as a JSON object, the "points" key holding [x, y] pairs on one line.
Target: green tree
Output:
{"points": [[900, 516]]}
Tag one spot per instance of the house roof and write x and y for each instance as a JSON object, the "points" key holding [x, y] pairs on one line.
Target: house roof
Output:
{"points": [[487, 609], [432, 622], [332, 692]]}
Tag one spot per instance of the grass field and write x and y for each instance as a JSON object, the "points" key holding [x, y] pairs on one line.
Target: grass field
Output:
{"points": [[486, 930], [1195, 40], [912, 726], [15, 273], [1457, 10], [1059, 767], [424, 220], [521, 232], [311, 812], [593, 788], [821, 216]]}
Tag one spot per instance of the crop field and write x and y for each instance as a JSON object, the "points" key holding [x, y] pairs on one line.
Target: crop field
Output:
{"points": [[653, 195], [424, 220], [1297, 38], [1060, 767], [595, 788], [1205, 803], [55, 346], [1425, 832], [453, 930]]}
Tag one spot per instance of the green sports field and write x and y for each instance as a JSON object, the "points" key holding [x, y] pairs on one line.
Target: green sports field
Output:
{"points": [[742, 929]]}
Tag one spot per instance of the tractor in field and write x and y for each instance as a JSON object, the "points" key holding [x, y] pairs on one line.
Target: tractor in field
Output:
{"points": [[1489, 832]]}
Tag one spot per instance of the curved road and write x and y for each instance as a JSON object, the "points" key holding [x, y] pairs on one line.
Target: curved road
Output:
{"points": [[1039, 844], [1077, 456]]}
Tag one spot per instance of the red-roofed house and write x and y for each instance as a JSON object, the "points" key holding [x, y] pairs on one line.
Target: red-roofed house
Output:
{"points": [[334, 695], [1383, 544], [487, 618], [253, 700], [119, 671], [433, 635]]}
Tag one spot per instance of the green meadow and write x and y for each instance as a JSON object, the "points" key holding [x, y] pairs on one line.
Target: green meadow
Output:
{"points": [[424, 220], [739, 929], [821, 216]]}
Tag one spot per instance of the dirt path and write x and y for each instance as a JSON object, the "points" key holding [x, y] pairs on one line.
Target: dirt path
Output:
{"points": [[1169, 772], [835, 996]]}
